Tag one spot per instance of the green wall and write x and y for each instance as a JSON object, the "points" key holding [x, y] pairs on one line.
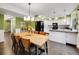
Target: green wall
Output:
{"points": [[7, 25], [18, 22], [32, 23], [1, 21]]}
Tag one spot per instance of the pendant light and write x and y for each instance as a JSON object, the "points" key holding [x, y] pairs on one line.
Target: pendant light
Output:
{"points": [[32, 19], [28, 18], [65, 16], [54, 12], [25, 18]]}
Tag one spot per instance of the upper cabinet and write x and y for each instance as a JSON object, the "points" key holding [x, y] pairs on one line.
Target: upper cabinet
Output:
{"points": [[74, 20], [63, 21]]}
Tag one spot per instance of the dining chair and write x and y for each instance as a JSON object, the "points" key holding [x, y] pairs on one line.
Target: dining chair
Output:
{"points": [[36, 32], [14, 43], [17, 39], [25, 46], [32, 31], [43, 33]]}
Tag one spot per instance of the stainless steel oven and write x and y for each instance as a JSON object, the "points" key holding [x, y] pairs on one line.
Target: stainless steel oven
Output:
{"points": [[55, 25]]}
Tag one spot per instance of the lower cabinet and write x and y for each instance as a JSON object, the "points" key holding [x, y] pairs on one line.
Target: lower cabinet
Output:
{"points": [[57, 37], [71, 38], [63, 37]]}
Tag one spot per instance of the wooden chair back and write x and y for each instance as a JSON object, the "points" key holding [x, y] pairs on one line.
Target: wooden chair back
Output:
{"points": [[17, 38], [26, 43], [36, 32], [42, 33], [13, 38]]}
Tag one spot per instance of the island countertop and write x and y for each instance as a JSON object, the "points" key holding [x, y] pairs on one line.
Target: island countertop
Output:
{"points": [[64, 30]]}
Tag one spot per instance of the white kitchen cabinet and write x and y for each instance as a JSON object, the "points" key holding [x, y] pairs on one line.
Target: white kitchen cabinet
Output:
{"points": [[57, 37], [71, 38], [68, 21], [77, 41], [63, 37], [47, 24], [50, 22], [78, 31], [46, 28]]}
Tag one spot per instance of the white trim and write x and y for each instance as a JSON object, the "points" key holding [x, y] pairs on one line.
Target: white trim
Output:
{"points": [[2, 39]]}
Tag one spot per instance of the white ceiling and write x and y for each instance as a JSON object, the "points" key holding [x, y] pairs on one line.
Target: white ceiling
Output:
{"points": [[44, 9]]}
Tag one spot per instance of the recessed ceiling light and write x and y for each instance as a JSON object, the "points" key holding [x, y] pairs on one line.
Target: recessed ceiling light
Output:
{"points": [[49, 18], [56, 18], [64, 20], [39, 16], [42, 17]]}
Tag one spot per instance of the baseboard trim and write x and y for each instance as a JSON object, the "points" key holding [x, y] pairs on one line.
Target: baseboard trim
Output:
{"points": [[71, 44]]}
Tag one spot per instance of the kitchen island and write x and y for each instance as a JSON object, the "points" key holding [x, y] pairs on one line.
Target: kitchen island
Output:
{"points": [[63, 36]]}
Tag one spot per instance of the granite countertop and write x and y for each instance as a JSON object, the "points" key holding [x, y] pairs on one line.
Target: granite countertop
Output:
{"points": [[64, 30]]}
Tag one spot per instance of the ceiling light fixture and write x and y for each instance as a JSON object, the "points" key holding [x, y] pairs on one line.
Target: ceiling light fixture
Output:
{"points": [[56, 18], [65, 12], [54, 14], [49, 18], [28, 18], [39, 16], [65, 16], [32, 19], [25, 18]]}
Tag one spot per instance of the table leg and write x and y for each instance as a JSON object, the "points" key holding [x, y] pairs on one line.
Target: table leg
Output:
{"points": [[36, 50], [46, 48]]}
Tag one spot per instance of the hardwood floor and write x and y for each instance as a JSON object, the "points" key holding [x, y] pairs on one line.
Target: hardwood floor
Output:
{"points": [[53, 48], [5, 47], [61, 49]]}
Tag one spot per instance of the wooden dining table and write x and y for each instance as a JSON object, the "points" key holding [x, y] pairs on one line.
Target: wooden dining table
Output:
{"points": [[36, 39]]}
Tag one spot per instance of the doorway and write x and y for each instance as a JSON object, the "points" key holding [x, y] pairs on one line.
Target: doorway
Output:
{"points": [[7, 26]]}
